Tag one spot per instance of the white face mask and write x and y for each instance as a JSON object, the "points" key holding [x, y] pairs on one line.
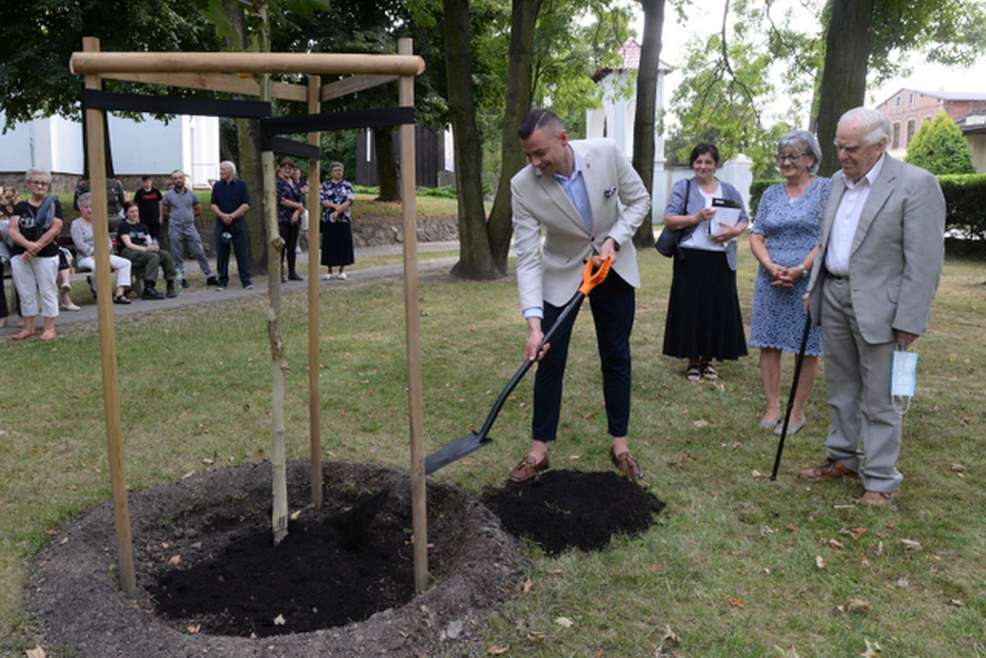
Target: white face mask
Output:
{"points": [[903, 380]]}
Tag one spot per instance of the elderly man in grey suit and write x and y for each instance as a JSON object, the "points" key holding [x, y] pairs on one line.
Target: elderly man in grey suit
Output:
{"points": [[882, 243], [571, 192]]}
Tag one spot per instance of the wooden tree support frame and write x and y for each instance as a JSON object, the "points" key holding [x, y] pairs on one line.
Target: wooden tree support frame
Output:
{"points": [[224, 72]]}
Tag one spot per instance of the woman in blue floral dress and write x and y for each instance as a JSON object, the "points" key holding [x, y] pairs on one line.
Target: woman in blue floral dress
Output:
{"points": [[337, 227], [784, 239]]}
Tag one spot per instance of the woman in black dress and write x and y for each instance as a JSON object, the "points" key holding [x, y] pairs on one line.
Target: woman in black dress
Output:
{"points": [[704, 321], [337, 228]]}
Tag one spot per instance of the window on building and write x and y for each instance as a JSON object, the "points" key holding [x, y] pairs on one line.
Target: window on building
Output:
{"points": [[897, 101], [896, 142], [910, 99], [911, 127]]}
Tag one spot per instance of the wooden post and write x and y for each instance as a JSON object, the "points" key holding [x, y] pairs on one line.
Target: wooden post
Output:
{"points": [[314, 242], [107, 334], [419, 510]]}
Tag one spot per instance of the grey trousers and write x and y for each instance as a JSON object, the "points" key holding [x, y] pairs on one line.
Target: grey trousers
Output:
{"points": [[857, 382], [186, 242]]}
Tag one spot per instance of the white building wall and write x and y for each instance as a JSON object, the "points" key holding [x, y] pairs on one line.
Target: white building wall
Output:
{"points": [[67, 148], [139, 147]]}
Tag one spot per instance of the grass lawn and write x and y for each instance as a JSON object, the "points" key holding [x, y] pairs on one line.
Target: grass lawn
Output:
{"points": [[731, 566]]}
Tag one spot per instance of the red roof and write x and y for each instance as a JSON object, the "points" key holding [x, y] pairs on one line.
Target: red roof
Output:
{"points": [[630, 52]]}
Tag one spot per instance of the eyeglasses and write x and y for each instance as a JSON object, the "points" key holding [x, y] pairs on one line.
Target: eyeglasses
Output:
{"points": [[790, 158]]}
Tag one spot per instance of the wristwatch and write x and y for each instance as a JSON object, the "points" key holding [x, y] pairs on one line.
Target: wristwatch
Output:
{"points": [[805, 272]]}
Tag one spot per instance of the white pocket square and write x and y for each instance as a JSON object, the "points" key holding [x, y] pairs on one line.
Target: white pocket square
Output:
{"points": [[609, 192]]}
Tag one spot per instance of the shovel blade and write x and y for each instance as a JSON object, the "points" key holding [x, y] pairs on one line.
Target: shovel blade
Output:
{"points": [[454, 451]]}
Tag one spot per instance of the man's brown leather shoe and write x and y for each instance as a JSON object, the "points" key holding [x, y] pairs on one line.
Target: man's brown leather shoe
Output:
{"points": [[830, 470], [626, 464], [877, 498], [528, 469]]}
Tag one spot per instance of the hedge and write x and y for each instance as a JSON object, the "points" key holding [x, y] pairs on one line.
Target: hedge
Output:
{"points": [[965, 202]]}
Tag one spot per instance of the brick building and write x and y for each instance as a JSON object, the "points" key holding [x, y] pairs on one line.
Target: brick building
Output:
{"points": [[909, 108]]}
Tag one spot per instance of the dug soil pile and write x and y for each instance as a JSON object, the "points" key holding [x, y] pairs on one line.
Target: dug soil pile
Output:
{"points": [[565, 509]]}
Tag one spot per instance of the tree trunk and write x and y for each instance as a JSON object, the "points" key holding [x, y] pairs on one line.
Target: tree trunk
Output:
{"points": [[475, 259], [848, 44], [645, 121], [499, 227], [383, 147], [275, 332], [249, 167]]}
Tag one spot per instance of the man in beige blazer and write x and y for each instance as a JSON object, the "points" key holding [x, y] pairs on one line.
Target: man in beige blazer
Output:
{"points": [[571, 194], [882, 250]]}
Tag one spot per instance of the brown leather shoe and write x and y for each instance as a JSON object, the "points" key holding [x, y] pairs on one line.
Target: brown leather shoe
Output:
{"points": [[626, 464], [528, 469], [877, 498], [830, 470]]}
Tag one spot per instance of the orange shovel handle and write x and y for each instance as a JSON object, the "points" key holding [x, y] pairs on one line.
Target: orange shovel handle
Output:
{"points": [[592, 279]]}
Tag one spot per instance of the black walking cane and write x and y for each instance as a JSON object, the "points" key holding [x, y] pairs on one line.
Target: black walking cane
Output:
{"points": [[790, 398]]}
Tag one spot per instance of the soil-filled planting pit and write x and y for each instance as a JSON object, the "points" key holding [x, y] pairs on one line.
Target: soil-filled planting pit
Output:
{"points": [[211, 582], [566, 509]]}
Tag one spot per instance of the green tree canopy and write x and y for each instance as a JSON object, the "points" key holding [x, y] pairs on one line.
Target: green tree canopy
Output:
{"points": [[940, 147]]}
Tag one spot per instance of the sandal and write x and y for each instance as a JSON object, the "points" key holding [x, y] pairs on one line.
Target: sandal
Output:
{"points": [[693, 373], [709, 372], [120, 299]]}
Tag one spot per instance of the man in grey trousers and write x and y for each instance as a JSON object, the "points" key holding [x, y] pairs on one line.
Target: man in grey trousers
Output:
{"points": [[180, 207], [882, 251]]}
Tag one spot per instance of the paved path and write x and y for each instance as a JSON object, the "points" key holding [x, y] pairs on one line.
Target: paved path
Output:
{"points": [[198, 295]]}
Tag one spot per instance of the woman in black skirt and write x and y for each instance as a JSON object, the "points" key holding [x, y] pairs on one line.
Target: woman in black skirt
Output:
{"points": [[337, 227], [704, 321]]}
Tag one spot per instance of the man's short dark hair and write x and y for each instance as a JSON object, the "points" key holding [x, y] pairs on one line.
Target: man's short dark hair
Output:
{"points": [[540, 119], [145, 177]]}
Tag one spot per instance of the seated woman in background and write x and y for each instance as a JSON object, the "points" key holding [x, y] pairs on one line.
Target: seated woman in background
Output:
{"points": [[704, 321], [85, 248], [784, 239], [134, 242], [8, 198], [34, 229], [337, 223]]}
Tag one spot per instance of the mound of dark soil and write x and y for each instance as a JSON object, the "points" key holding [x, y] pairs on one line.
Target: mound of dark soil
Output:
{"points": [[209, 578], [328, 571], [564, 509]]}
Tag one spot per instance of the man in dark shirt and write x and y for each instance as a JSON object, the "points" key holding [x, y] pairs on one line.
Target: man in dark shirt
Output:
{"points": [[230, 202], [148, 199]]}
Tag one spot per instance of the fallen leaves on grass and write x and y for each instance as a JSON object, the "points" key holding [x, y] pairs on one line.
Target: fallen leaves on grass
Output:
{"points": [[957, 603], [736, 602], [878, 549], [669, 637], [279, 620], [903, 583], [786, 653], [36, 652], [857, 605], [836, 544], [497, 649], [193, 629], [819, 562], [564, 622], [535, 636], [528, 584], [174, 560], [855, 533], [911, 545], [756, 474], [701, 423], [295, 515], [873, 649]]}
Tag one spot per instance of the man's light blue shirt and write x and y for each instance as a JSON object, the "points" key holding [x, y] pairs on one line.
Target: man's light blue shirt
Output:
{"points": [[574, 187]]}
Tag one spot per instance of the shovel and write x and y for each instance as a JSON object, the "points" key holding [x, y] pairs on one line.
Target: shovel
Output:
{"points": [[473, 441]]}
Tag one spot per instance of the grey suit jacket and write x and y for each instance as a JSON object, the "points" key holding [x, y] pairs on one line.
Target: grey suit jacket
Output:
{"points": [[553, 273], [897, 254]]}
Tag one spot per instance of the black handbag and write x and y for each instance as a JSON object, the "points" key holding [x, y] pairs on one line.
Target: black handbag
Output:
{"points": [[667, 242]]}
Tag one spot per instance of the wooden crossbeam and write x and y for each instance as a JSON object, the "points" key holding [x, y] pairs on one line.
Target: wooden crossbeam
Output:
{"points": [[353, 84], [229, 83], [83, 63]]}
